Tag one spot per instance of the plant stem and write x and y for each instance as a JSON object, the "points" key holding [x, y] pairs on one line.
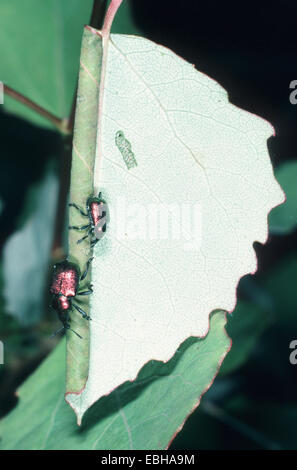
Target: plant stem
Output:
{"points": [[215, 411], [112, 9], [60, 124], [98, 13], [58, 251]]}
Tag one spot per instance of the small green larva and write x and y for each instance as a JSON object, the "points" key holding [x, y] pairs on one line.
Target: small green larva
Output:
{"points": [[125, 148]]}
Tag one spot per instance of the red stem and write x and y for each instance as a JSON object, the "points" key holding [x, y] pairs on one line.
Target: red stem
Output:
{"points": [[112, 9]]}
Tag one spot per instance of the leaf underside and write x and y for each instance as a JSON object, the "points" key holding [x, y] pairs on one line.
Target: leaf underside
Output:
{"points": [[83, 160]]}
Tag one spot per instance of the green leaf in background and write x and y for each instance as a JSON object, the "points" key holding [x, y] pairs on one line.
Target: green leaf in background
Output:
{"points": [[26, 254], [244, 327], [143, 415], [283, 219], [275, 422], [40, 45], [280, 282], [124, 22]]}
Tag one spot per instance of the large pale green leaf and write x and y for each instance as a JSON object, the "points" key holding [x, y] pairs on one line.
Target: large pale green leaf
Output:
{"points": [[167, 138], [143, 415], [40, 44]]}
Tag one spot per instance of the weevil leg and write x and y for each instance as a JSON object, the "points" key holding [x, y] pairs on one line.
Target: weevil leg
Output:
{"points": [[82, 239], [84, 275], [82, 312], [86, 292], [86, 236], [72, 204], [83, 227], [94, 241]]}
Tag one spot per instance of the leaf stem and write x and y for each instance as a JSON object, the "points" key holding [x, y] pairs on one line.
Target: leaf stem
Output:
{"points": [[215, 411], [112, 9], [60, 124]]}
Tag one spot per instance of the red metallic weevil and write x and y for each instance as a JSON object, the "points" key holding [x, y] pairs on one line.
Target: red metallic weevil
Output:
{"points": [[65, 281], [97, 213]]}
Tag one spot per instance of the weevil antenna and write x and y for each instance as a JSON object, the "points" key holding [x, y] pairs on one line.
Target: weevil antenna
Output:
{"points": [[63, 328], [75, 333]]}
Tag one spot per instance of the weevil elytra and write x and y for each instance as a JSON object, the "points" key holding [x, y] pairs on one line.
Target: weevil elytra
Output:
{"points": [[96, 211], [65, 281]]}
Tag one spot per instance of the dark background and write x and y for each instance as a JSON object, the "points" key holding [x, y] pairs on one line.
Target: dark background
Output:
{"points": [[251, 50]]}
